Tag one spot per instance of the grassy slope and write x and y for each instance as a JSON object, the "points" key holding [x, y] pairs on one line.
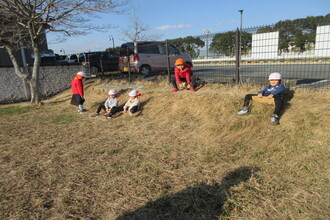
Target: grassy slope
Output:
{"points": [[187, 155]]}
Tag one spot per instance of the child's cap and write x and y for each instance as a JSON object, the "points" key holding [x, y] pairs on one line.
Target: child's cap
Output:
{"points": [[133, 93], [276, 76], [112, 92], [82, 74], [179, 62]]}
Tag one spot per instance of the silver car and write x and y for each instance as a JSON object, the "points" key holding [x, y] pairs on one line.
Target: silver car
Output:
{"points": [[149, 56]]}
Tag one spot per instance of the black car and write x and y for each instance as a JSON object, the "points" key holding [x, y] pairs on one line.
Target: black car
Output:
{"points": [[103, 61]]}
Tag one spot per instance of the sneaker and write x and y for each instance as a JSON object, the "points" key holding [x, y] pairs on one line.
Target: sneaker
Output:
{"points": [[107, 116], [96, 114], [274, 119], [244, 111], [192, 89], [82, 111], [174, 90]]}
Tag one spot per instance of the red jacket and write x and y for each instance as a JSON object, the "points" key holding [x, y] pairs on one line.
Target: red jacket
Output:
{"points": [[186, 73], [77, 86]]}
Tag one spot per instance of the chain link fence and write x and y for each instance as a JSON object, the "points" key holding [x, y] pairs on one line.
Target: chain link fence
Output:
{"points": [[301, 52]]}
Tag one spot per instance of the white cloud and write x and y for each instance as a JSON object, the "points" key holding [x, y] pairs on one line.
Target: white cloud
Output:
{"points": [[178, 26]]}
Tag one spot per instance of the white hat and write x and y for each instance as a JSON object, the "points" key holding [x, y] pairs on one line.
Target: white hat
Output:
{"points": [[82, 74], [112, 92], [133, 93], [276, 76]]}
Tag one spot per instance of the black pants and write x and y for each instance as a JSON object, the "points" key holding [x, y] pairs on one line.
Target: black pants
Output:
{"points": [[279, 100], [192, 79], [121, 108]]}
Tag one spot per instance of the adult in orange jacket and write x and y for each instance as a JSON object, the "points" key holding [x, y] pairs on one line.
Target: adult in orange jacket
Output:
{"points": [[77, 88], [183, 73]]}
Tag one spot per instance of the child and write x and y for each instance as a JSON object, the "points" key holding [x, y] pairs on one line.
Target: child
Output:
{"points": [[110, 104], [182, 72], [131, 106], [275, 90], [77, 88]]}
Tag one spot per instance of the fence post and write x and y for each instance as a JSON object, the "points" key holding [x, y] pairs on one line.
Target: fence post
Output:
{"points": [[168, 63], [129, 65], [238, 56]]}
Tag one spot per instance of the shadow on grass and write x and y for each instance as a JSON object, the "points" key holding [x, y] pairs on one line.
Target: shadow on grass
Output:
{"points": [[288, 95], [198, 202]]}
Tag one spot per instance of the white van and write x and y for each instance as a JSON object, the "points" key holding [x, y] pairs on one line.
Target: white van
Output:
{"points": [[149, 56]]}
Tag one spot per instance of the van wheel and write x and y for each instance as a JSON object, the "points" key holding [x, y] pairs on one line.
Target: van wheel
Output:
{"points": [[144, 70]]}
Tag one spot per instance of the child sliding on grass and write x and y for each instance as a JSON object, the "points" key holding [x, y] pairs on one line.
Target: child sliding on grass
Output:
{"points": [[109, 105], [275, 90], [131, 106]]}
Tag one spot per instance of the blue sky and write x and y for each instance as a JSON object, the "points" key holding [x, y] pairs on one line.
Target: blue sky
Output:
{"points": [[170, 19]]}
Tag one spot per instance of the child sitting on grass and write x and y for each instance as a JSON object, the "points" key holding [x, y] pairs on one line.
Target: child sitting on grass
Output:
{"points": [[131, 106], [110, 104], [275, 90]]}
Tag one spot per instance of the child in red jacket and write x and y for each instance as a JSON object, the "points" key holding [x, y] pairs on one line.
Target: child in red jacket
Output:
{"points": [[77, 88], [183, 73]]}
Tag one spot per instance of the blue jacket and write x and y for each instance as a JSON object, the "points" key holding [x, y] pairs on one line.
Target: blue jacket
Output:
{"points": [[274, 90]]}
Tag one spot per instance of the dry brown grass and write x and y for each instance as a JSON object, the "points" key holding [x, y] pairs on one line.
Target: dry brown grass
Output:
{"points": [[186, 156]]}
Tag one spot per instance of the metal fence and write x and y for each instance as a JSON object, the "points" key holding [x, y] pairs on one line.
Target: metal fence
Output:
{"points": [[301, 54]]}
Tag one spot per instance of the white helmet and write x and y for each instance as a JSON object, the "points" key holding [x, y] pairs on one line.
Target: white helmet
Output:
{"points": [[82, 74], [276, 76], [112, 92], [132, 93]]}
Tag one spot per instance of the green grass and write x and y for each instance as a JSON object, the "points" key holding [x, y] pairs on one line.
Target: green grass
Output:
{"points": [[16, 110], [64, 119]]}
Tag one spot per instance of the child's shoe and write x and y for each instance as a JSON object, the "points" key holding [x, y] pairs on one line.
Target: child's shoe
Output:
{"points": [[275, 119], [107, 116], [174, 90], [244, 111], [192, 89], [82, 111], [96, 114]]}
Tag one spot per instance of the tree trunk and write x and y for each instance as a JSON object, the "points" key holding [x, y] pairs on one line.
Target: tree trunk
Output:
{"points": [[34, 87]]}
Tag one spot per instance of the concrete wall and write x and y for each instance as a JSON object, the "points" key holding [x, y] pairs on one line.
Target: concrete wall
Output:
{"points": [[52, 80]]}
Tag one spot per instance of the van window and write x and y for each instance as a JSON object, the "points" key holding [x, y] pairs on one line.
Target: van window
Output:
{"points": [[148, 48], [126, 49], [171, 49]]}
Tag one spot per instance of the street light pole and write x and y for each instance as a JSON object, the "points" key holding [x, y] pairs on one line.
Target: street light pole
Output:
{"points": [[62, 50], [113, 41], [240, 36], [240, 48], [207, 32]]}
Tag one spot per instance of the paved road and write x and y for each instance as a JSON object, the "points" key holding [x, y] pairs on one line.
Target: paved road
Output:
{"points": [[301, 73]]}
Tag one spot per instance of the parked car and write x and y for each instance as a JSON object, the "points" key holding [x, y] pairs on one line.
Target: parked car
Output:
{"points": [[149, 56], [103, 61]]}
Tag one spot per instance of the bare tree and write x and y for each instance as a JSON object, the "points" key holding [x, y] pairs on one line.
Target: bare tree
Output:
{"points": [[31, 19], [138, 31]]}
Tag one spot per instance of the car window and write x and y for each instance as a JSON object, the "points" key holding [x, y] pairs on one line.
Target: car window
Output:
{"points": [[126, 48], [172, 50], [111, 55], [148, 48]]}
